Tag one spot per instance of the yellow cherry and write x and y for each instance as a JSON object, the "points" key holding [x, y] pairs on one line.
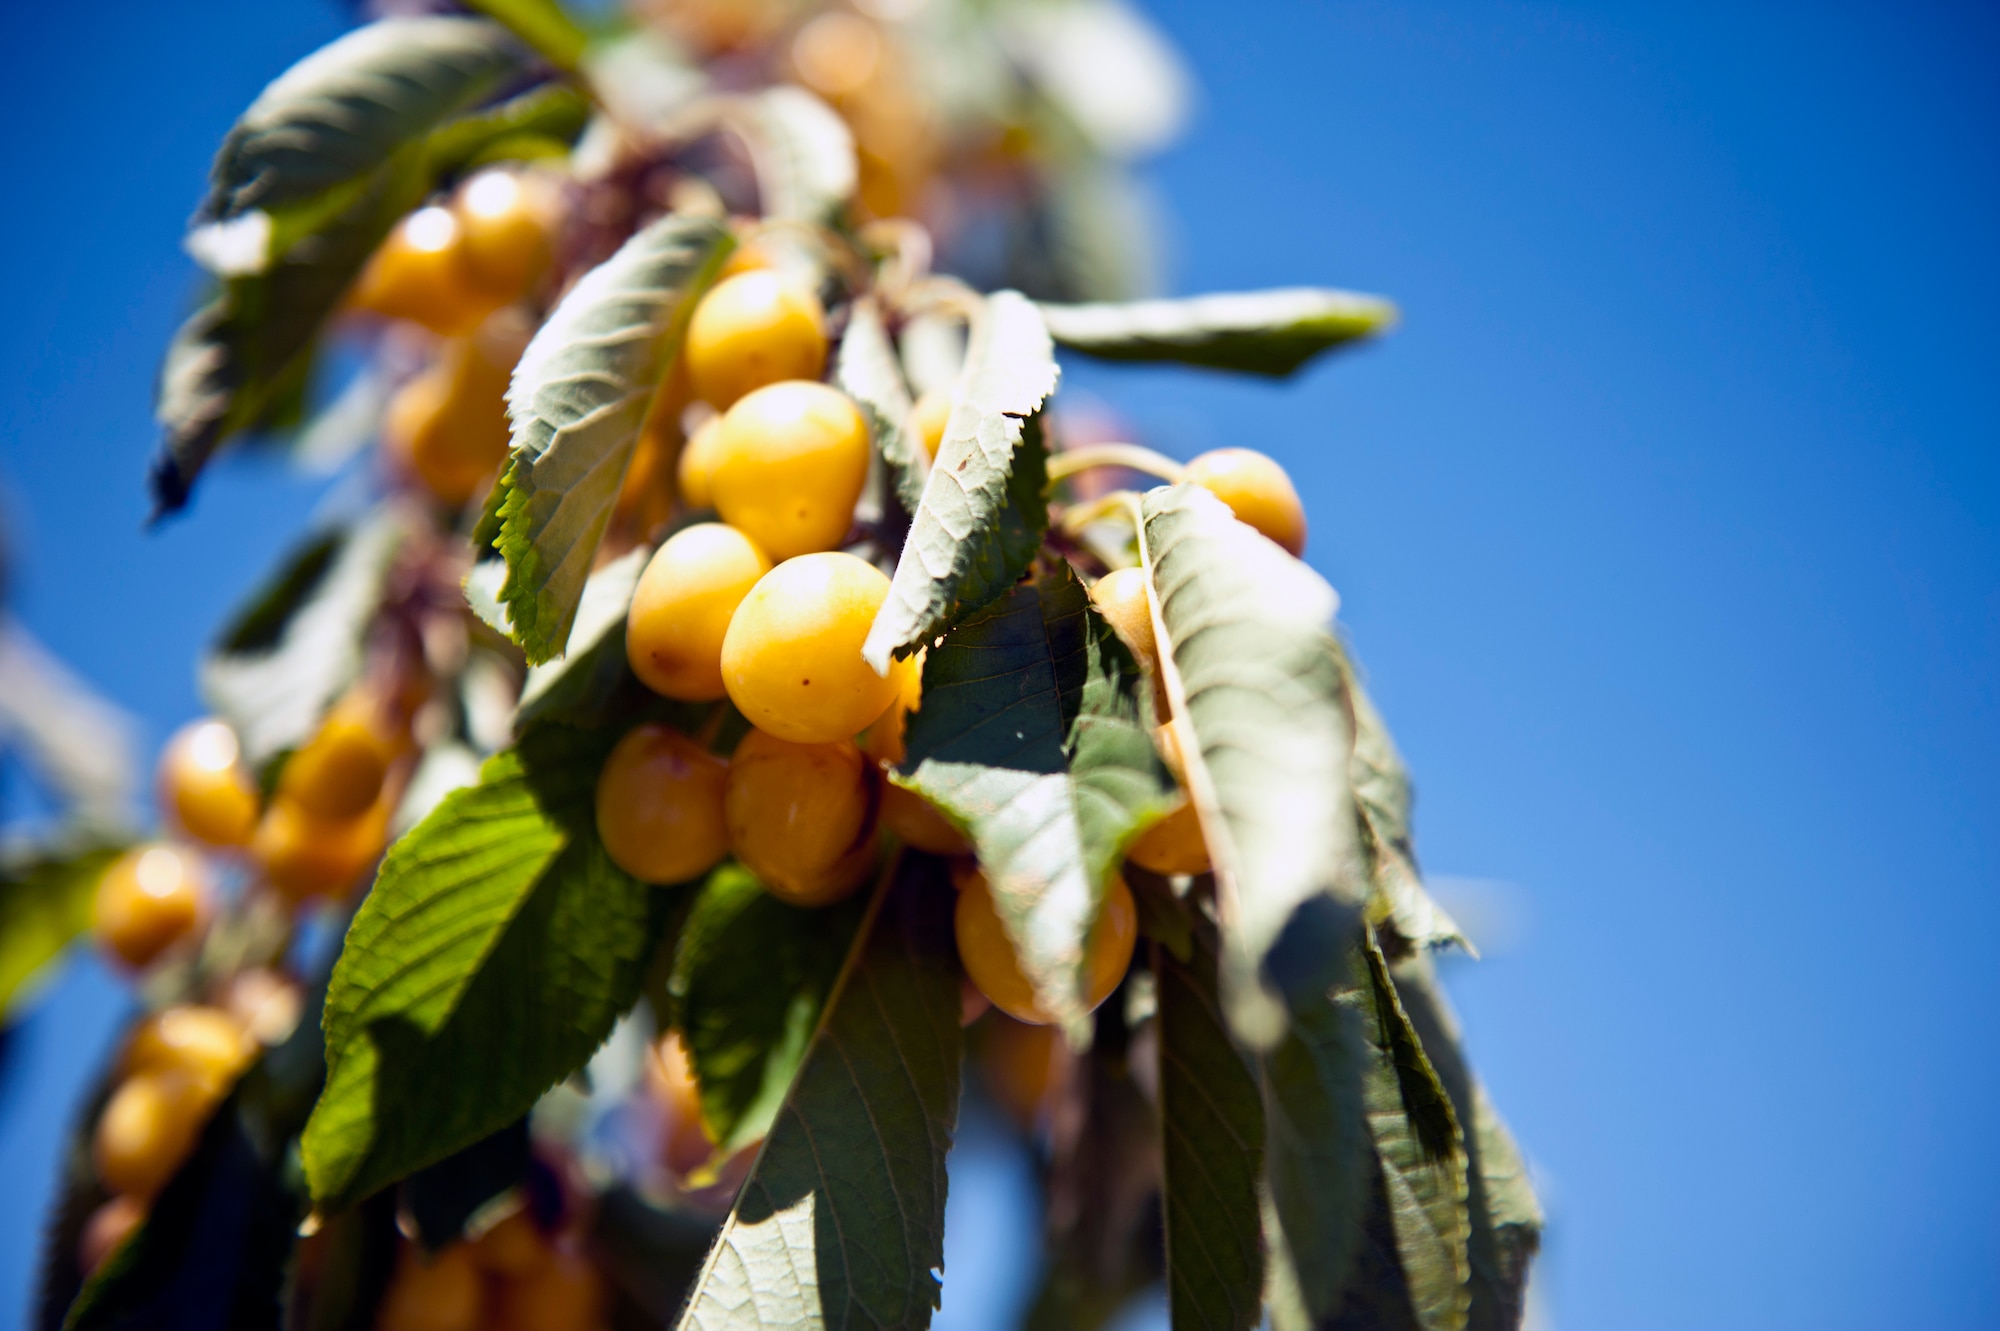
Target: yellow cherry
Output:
{"points": [[448, 426], [918, 823], [505, 218], [148, 1126], [682, 607], [883, 740], [987, 953], [305, 856], [753, 329], [515, 1246], [802, 816], [563, 1294], [659, 806], [791, 462], [928, 419], [1257, 491], [419, 273], [204, 787], [1172, 845], [1121, 597], [205, 1043], [149, 899], [338, 773], [792, 657], [695, 472], [441, 1293]]}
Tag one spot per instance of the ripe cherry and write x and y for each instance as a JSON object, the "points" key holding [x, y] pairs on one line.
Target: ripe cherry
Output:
{"points": [[988, 956], [802, 816], [790, 463], [149, 899], [792, 657], [682, 607], [204, 787], [1257, 490], [753, 329], [659, 806]]}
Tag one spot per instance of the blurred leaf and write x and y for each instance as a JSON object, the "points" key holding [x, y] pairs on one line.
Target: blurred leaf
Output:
{"points": [[750, 977], [77, 743], [841, 1222], [1246, 654], [46, 900], [803, 153], [299, 642], [234, 359], [344, 110], [577, 687], [1162, 917], [1422, 1153], [867, 371], [441, 1199], [1505, 1218], [1259, 332], [1382, 800], [1095, 232], [1029, 738], [1213, 1154], [577, 401], [497, 949], [542, 24], [983, 509]]}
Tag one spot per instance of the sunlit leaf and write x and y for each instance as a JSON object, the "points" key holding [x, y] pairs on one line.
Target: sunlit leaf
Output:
{"points": [[983, 510], [577, 400], [1260, 332], [841, 1222], [45, 901], [542, 24], [493, 955], [868, 372]]}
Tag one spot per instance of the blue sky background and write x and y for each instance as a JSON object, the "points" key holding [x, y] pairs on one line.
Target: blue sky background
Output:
{"points": [[1666, 527]]}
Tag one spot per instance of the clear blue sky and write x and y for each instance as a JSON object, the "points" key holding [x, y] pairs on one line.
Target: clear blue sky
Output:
{"points": [[1668, 527]]}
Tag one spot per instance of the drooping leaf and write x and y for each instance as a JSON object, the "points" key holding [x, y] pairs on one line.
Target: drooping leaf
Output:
{"points": [[496, 950], [248, 348], [576, 687], [344, 110], [1505, 1218], [750, 977], [1259, 332], [577, 400], [79, 746], [983, 509], [803, 153], [299, 642], [542, 24], [841, 1222], [1319, 1152], [1382, 803], [1421, 1152], [1029, 737], [867, 371], [1213, 1151], [1245, 651], [442, 1199], [45, 901]]}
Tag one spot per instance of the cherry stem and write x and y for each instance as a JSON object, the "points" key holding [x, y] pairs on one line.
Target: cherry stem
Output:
{"points": [[1131, 456]]}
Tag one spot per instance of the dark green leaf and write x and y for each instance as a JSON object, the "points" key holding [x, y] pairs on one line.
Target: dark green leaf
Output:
{"points": [[867, 371], [803, 153], [45, 901], [299, 642], [1163, 917], [1246, 653], [750, 977], [983, 509], [1029, 737], [442, 1199], [1421, 1151], [348, 107], [841, 1222], [495, 952], [1213, 1151], [1382, 800], [1261, 332], [577, 401], [1506, 1220], [542, 24]]}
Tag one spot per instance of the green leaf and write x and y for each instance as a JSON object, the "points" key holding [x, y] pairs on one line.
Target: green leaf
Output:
{"points": [[750, 977], [841, 1222], [803, 154], [868, 372], [1421, 1152], [984, 508], [542, 24], [1259, 332], [1318, 1147], [1382, 801], [577, 400], [1505, 1218], [298, 643], [235, 360], [1247, 659], [1030, 739], [1213, 1153], [578, 687], [496, 950], [45, 901], [344, 110]]}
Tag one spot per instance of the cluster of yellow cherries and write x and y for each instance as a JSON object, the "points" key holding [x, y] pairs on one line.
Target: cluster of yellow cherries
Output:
{"points": [[763, 608]]}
